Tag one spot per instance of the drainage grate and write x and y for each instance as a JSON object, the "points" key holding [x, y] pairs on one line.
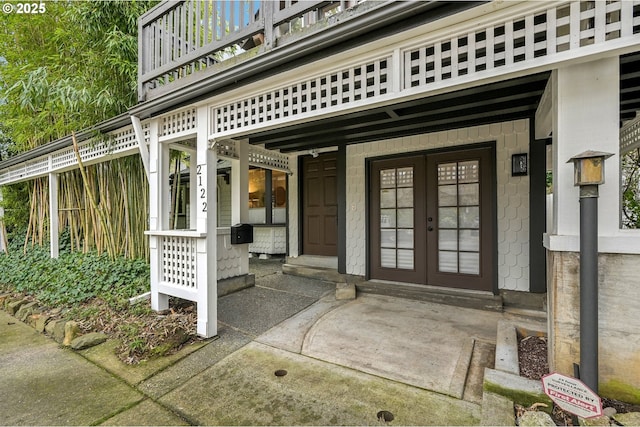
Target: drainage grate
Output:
{"points": [[280, 373], [385, 416]]}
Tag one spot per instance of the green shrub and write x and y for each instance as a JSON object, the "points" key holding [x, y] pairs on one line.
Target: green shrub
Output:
{"points": [[73, 277]]}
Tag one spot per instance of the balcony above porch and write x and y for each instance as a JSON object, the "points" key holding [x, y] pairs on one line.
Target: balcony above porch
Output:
{"points": [[187, 41]]}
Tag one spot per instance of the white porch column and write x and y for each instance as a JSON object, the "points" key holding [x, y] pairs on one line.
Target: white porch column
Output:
{"points": [[3, 243], [53, 216], [158, 157], [193, 190], [205, 205], [585, 116], [586, 112], [240, 197]]}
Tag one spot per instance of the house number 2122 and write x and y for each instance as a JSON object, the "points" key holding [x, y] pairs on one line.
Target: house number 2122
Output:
{"points": [[201, 188]]}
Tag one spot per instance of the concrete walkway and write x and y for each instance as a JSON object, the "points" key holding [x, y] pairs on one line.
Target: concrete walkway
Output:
{"points": [[344, 361]]}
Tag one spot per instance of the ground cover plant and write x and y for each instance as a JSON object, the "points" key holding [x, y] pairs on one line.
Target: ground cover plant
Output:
{"points": [[94, 290]]}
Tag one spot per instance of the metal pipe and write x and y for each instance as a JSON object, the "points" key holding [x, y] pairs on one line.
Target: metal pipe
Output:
{"points": [[589, 286]]}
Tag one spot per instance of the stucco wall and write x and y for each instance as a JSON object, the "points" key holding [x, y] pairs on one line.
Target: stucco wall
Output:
{"points": [[618, 320], [512, 193]]}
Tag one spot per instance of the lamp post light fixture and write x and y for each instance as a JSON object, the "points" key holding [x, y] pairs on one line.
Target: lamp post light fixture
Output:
{"points": [[588, 175]]}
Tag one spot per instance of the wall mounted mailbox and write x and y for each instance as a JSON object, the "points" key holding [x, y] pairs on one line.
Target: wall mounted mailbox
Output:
{"points": [[241, 233]]}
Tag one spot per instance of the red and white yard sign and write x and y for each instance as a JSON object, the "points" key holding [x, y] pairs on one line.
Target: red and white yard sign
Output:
{"points": [[572, 395]]}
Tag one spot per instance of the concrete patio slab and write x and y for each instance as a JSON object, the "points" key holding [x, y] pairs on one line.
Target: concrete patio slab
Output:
{"points": [[290, 334], [246, 312], [415, 342], [243, 390]]}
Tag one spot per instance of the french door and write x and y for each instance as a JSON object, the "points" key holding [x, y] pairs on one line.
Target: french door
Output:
{"points": [[432, 219]]}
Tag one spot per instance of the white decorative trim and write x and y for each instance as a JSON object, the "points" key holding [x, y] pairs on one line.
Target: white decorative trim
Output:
{"points": [[258, 156]]}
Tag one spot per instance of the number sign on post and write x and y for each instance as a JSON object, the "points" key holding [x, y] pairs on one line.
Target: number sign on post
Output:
{"points": [[202, 190]]}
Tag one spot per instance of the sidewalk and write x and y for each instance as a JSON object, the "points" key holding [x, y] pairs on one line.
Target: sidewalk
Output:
{"points": [[344, 361]]}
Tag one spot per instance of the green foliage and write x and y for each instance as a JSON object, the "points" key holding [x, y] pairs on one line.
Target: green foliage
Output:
{"points": [[63, 71], [73, 277], [631, 189], [16, 207], [549, 182], [67, 69]]}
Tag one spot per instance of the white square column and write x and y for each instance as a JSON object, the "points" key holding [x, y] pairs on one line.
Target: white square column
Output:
{"points": [[3, 242], [240, 197], [53, 216], [158, 185], [206, 223], [586, 117]]}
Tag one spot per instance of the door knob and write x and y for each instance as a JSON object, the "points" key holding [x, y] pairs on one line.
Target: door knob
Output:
{"points": [[430, 228]]}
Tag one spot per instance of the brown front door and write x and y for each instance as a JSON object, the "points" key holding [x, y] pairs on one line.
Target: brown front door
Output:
{"points": [[320, 205], [432, 219]]}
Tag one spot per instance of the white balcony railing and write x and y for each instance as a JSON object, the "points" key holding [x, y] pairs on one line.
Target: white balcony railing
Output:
{"points": [[180, 38]]}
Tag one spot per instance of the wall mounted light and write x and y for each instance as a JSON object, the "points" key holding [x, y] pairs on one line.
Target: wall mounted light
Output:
{"points": [[519, 164]]}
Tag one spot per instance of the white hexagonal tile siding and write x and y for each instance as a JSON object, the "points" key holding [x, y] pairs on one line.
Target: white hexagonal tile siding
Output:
{"points": [[512, 194]]}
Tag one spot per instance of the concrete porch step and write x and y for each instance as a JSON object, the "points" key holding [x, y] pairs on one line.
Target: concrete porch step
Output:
{"points": [[327, 274], [454, 297]]}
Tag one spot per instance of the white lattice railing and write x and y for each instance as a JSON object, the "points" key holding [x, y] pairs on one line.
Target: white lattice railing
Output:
{"points": [[179, 266], [179, 122], [260, 157], [542, 33], [539, 34], [630, 136], [342, 87], [179, 260], [117, 143]]}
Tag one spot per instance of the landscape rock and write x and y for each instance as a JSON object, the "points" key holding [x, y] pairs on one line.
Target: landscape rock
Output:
{"points": [[50, 326], [41, 321], [71, 331], [628, 419], [88, 340], [14, 306], [536, 418], [609, 411], [26, 310], [3, 298], [596, 421], [58, 330]]}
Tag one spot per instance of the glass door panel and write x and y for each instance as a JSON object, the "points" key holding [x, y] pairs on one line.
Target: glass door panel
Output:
{"points": [[396, 218], [458, 216]]}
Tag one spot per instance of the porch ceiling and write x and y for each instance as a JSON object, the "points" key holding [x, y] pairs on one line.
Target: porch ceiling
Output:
{"points": [[501, 101]]}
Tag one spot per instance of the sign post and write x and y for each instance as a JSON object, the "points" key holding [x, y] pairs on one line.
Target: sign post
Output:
{"points": [[572, 395]]}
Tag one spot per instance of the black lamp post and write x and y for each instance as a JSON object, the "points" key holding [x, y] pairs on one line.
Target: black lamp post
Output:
{"points": [[588, 175]]}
